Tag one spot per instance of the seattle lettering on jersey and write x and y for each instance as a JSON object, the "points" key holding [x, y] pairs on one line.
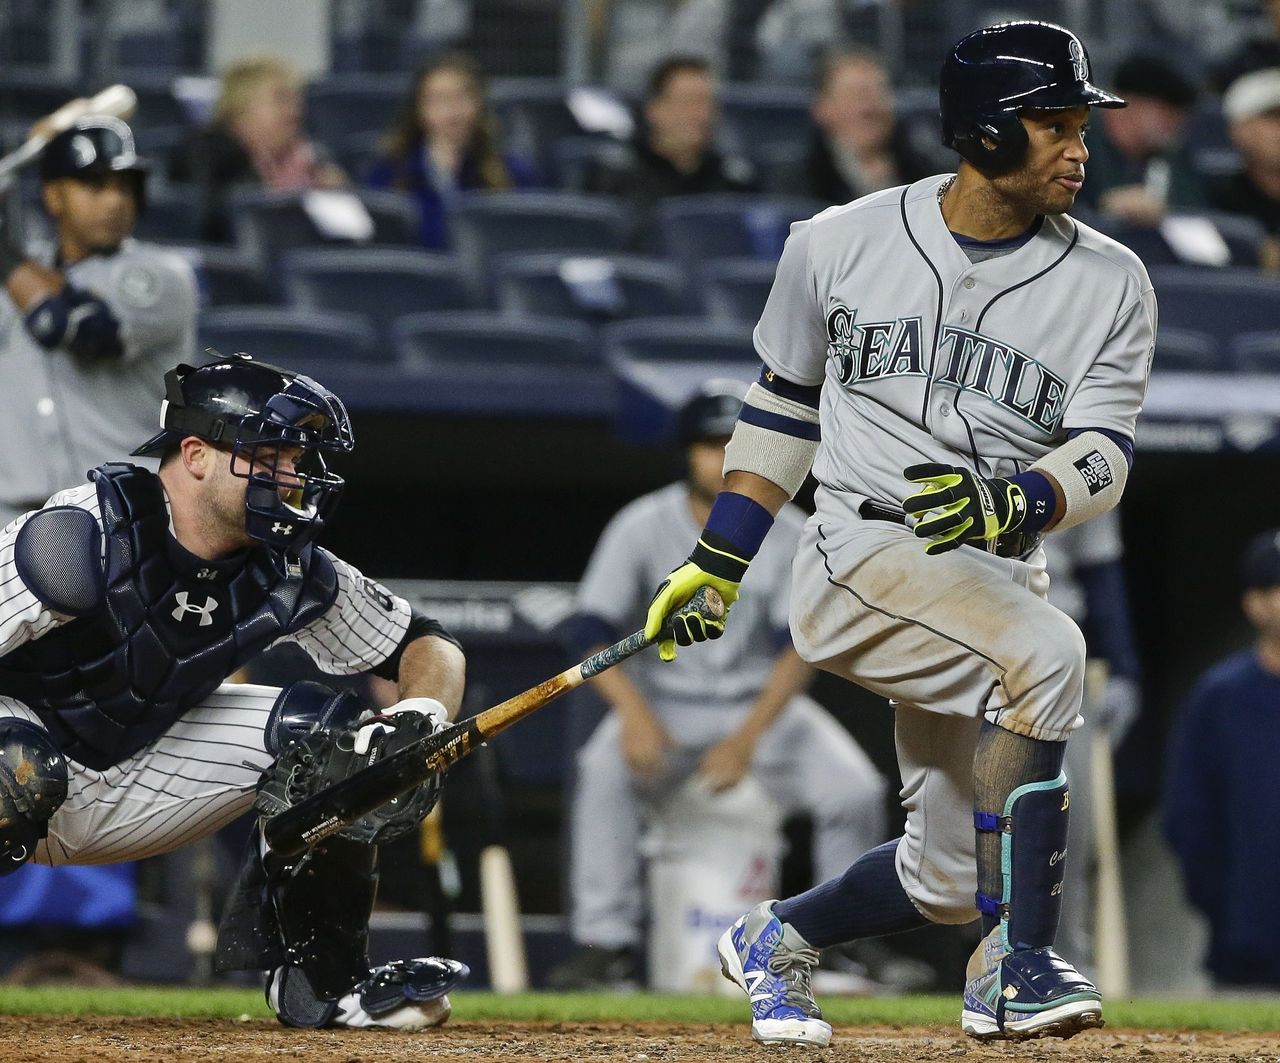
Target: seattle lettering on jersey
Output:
{"points": [[1003, 374]]}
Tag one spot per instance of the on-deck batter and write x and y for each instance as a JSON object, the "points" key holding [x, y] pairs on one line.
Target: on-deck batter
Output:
{"points": [[962, 365]]}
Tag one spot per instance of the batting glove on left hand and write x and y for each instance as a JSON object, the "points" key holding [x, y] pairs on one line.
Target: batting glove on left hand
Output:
{"points": [[673, 592], [386, 722], [961, 506]]}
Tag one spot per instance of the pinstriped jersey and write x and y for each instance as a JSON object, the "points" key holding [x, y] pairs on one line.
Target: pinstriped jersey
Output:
{"points": [[363, 627], [924, 355]]}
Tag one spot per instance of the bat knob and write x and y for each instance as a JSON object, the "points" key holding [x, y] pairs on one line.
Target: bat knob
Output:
{"points": [[707, 603]]}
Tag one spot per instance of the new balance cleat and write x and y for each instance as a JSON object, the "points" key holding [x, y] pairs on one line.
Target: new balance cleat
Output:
{"points": [[770, 962], [1016, 996], [404, 995]]}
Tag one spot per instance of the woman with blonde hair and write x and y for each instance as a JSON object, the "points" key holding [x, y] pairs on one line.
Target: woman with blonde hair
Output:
{"points": [[444, 142], [255, 138]]}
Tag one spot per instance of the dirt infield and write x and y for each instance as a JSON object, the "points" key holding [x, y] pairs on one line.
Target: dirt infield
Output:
{"points": [[107, 1040]]}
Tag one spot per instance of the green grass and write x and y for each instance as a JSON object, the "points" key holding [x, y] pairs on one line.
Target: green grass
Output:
{"points": [[1260, 1014]]}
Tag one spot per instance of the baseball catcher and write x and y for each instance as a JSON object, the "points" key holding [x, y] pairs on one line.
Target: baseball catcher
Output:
{"points": [[127, 601]]}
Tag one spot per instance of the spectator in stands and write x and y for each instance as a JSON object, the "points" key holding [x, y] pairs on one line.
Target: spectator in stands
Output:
{"points": [[674, 154], [1222, 797], [740, 709], [256, 138], [1140, 163], [1252, 108], [858, 145], [446, 142]]}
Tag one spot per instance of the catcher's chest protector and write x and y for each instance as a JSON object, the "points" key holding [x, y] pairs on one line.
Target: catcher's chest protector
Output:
{"points": [[169, 628]]}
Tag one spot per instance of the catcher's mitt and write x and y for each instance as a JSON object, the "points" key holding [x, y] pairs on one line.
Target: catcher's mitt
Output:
{"points": [[313, 762]]}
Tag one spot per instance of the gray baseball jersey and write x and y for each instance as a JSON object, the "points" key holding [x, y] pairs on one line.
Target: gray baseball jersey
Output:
{"points": [[927, 356], [646, 540], [61, 415]]}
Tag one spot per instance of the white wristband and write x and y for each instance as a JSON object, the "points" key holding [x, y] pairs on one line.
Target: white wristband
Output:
{"points": [[1091, 470], [427, 706]]}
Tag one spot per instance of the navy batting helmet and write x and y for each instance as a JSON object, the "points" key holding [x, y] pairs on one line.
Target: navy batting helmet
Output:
{"points": [[95, 146], [711, 413], [993, 73], [254, 409]]}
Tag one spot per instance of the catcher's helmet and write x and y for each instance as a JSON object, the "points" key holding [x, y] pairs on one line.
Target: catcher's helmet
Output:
{"points": [[995, 72], [711, 413], [95, 146], [255, 409]]}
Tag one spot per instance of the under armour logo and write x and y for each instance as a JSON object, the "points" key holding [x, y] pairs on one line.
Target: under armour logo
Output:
{"points": [[184, 606], [281, 529]]}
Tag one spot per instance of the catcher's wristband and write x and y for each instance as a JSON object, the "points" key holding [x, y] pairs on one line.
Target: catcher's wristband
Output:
{"points": [[735, 529]]}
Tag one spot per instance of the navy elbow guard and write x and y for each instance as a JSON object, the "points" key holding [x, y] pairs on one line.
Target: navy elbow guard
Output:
{"points": [[33, 783], [80, 322]]}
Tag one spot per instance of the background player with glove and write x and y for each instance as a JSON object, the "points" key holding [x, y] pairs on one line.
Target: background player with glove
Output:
{"points": [[960, 363], [129, 600]]}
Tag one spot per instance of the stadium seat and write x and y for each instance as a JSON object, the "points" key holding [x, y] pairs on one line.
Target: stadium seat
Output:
{"points": [[226, 279], [172, 215], [1257, 352], [304, 340], [539, 367], [353, 103], [381, 283], [268, 224], [533, 113], [479, 342], [1226, 302], [760, 119], [486, 224], [1186, 351], [735, 289], [669, 339], [696, 229], [591, 289], [575, 159]]}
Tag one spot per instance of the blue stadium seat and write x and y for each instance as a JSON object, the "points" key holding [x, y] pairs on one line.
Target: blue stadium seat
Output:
{"points": [[761, 119], [172, 215], [575, 159], [592, 289], [353, 103], [669, 339], [1257, 352], [533, 113], [481, 343], [381, 283], [735, 289], [304, 340], [268, 224], [696, 229], [486, 224], [544, 367], [1225, 302], [226, 279], [1187, 351]]}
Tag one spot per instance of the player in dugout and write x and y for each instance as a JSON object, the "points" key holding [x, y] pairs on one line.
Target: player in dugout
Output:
{"points": [[127, 601]]}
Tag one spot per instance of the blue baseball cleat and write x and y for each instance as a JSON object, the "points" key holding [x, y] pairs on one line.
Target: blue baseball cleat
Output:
{"points": [[1016, 996], [770, 962]]}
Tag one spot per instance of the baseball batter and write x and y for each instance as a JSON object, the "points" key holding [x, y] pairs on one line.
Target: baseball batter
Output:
{"points": [[742, 709], [87, 332], [962, 365], [126, 602]]}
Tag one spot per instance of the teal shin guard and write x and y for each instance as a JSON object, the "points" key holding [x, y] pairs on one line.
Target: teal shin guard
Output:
{"points": [[1033, 848]]}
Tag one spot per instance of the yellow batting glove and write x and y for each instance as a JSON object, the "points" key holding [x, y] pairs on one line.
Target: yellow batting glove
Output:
{"points": [[673, 592], [956, 506]]}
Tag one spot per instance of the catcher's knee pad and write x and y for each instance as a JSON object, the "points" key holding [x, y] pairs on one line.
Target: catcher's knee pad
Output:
{"points": [[306, 707], [33, 783], [1033, 860]]}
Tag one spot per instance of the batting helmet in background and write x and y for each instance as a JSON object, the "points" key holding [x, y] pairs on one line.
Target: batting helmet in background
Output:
{"points": [[92, 148], [993, 73], [711, 413]]}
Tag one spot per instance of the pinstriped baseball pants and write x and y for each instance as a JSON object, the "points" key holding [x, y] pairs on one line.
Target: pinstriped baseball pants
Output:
{"points": [[191, 781]]}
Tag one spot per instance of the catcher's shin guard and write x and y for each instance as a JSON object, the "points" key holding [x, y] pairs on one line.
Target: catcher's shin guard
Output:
{"points": [[33, 783]]}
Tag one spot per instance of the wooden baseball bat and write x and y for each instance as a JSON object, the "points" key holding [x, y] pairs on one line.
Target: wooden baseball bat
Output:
{"points": [[503, 937], [1111, 931], [326, 813], [116, 101]]}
